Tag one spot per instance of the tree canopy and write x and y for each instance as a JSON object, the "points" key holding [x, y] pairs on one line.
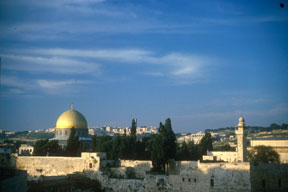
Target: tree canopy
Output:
{"points": [[73, 144], [163, 146], [263, 154], [133, 128], [206, 144], [46, 147]]}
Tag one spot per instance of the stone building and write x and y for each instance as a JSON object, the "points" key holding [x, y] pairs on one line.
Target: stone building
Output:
{"points": [[25, 149], [241, 150], [196, 138], [280, 145], [68, 120]]}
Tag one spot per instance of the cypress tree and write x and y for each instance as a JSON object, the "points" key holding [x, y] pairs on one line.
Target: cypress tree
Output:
{"points": [[133, 128], [73, 144]]}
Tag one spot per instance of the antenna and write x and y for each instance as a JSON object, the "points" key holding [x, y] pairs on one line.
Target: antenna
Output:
{"points": [[72, 106]]}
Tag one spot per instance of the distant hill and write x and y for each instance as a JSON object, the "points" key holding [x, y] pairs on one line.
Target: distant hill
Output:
{"points": [[28, 135], [253, 129]]}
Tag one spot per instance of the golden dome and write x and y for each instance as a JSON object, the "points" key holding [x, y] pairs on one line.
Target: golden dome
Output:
{"points": [[70, 119]]}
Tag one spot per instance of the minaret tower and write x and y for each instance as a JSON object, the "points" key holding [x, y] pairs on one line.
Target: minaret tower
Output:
{"points": [[241, 140]]}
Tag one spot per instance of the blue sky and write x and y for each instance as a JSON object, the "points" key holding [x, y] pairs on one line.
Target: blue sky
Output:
{"points": [[201, 63]]}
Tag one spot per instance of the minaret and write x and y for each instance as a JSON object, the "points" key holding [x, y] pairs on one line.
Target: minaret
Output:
{"points": [[241, 140]]}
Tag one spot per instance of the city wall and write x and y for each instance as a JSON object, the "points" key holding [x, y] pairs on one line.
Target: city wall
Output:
{"points": [[192, 176], [269, 177], [183, 175], [140, 167], [37, 166], [270, 143]]}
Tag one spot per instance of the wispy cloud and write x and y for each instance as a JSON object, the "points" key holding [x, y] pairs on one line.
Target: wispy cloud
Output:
{"points": [[23, 86], [52, 84], [71, 61], [60, 65], [178, 68]]}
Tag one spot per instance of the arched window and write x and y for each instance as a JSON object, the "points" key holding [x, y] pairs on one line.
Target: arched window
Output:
{"points": [[90, 165]]}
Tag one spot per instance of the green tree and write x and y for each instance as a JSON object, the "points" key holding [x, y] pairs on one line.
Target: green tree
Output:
{"points": [[163, 146], [46, 147], [206, 144], [40, 147], [225, 147], [182, 152], [73, 144], [194, 151], [104, 144], [169, 141], [157, 153], [115, 151], [123, 147], [141, 152], [263, 154], [93, 143], [133, 128]]}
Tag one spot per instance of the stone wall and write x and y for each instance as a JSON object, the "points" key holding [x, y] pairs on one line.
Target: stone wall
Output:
{"points": [[150, 183], [183, 175], [37, 166], [212, 177], [140, 167], [269, 177], [227, 156], [270, 143], [191, 176]]}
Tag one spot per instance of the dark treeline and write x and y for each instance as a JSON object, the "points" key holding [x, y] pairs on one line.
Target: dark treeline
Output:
{"points": [[272, 127], [159, 148], [51, 148]]}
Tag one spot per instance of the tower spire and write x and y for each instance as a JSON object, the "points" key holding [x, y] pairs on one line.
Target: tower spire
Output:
{"points": [[72, 106]]}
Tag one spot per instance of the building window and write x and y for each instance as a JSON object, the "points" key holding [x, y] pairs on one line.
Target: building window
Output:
{"points": [[212, 182], [263, 183], [183, 179], [195, 180], [90, 165], [189, 180], [279, 183]]}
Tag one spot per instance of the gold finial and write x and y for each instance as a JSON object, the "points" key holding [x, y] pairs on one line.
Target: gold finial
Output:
{"points": [[72, 106]]}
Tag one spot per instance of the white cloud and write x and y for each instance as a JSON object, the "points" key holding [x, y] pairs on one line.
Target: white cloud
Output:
{"points": [[15, 82], [52, 84], [176, 67], [62, 65], [19, 85], [173, 64]]}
